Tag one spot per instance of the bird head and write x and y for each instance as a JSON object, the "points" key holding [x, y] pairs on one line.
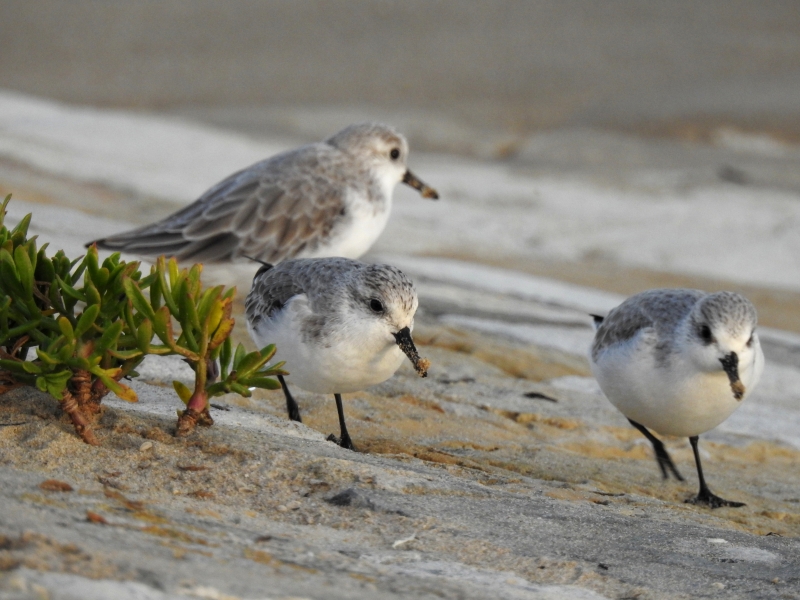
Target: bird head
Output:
{"points": [[385, 150], [722, 336]]}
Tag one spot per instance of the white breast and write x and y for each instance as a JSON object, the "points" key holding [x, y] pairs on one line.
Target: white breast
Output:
{"points": [[675, 399], [356, 234], [354, 360]]}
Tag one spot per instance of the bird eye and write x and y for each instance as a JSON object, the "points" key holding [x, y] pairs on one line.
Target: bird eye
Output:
{"points": [[705, 334], [395, 153], [376, 305]]}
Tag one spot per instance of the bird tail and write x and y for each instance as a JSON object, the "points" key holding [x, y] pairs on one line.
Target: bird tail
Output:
{"points": [[597, 320], [265, 266]]}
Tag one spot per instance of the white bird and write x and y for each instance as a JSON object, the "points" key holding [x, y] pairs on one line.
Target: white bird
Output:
{"points": [[327, 199], [679, 362], [340, 325]]}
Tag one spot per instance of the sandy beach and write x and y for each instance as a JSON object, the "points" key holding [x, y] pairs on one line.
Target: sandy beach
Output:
{"points": [[506, 473]]}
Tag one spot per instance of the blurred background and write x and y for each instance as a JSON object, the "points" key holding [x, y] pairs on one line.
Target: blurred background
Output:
{"points": [[620, 145], [677, 68]]}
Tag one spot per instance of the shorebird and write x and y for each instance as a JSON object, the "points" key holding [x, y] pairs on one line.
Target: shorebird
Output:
{"points": [[340, 325], [679, 362], [331, 198]]}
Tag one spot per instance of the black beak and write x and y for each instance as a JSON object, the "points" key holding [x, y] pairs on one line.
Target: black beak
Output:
{"points": [[427, 192], [403, 338], [730, 365]]}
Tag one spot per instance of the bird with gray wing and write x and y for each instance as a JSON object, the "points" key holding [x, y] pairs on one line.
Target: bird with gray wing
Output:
{"points": [[331, 198], [679, 362], [339, 324]]}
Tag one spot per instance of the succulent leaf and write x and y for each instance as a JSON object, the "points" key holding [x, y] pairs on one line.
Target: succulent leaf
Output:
{"points": [[66, 328], [222, 333], [144, 335], [81, 316], [184, 393], [137, 298], [265, 383], [109, 337], [240, 389], [238, 356], [162, 325], [165, 288], [24, 270], [70, 291], [19, 232], [87, 319], [225, 357], [30, 367], [109, 379], [254, 361]]}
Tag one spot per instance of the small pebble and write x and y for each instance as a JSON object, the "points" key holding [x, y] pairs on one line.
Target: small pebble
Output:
{"points": [[718, 585], [282, 508], [293, 505], [145, 446]]}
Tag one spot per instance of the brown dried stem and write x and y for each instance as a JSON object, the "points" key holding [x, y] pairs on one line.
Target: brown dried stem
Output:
{"points": [[82, 392], [70, 406], [8, 383]]}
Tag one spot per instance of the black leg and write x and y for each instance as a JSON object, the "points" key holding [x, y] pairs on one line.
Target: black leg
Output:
{"points": [[704, 496], [662, 457], [291, 405], [344, 440]]}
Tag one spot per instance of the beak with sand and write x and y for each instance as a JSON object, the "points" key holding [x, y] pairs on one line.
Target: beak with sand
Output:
{"points": [[427, 192]]}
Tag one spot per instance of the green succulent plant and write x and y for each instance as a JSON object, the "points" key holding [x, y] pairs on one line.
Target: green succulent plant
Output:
{"points": [[76, 328]]}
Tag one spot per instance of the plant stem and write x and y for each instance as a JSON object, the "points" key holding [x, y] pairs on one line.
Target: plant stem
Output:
{"points": [[82, 426], [84, 395], [196, 412]]}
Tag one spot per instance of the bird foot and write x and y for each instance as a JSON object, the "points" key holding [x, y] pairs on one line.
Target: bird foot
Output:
{"points": [[712, 500], [665, 463], [345, 442]]}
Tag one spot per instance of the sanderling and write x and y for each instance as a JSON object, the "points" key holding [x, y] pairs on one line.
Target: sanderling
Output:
{"points": [[679, 362], [327, 199], [340, 325]]}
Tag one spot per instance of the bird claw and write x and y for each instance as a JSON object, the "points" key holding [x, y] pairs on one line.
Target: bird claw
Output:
{"points": [[345, 442], [712, 500]]}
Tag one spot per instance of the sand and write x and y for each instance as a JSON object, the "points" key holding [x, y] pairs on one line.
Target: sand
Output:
{"points": [[504, 474]]}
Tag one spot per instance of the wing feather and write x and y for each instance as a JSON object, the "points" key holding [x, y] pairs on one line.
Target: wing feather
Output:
{"points": [[659, 310], [272, 210]]}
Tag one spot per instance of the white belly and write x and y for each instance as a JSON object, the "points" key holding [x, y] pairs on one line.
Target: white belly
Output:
{"points": [[676, 400], [340, 372], [350, 364], [356, 234]]}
